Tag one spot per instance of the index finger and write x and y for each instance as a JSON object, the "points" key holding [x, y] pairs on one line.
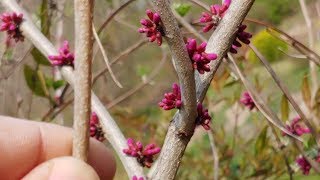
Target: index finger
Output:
{"points": [[25, 144]]}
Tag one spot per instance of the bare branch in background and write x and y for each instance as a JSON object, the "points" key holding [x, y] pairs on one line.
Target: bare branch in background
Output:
{"points": [[185, 24], [215, 155], [174, 145], [120, 56], [201, 4], [313, 56], [112, 14], [17, 64], [259, 101], [105, 57], [140, 85], [285, 91], [313, 67], [297, 56], [83, 13], [111, 129]]}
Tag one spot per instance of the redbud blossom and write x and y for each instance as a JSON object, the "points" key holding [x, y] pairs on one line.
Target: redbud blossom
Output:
{"points": [[65, 57], [200, 59], [213, 17], [136, 178], [241, 36], [95, 128], [203, 118], [11, 23], [172, 99], [247, 100], [296, 128], [303, 164], [144, 155], [152, 27]]}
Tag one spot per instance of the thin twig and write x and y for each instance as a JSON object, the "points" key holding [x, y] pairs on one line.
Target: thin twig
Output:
{"points": [[200, 4], [115, 12], [292, 41], [297, 56], [185, 24], [313, 68], [215, 156], [258, 101], [140, 85], [16, 65], [282, 151], [82, 88], [105, 57], [120, 56], [285, 91]]}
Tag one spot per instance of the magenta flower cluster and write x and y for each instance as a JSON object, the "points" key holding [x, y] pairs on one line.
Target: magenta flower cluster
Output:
{"points": [[11, 23], [200, 59], [65, 57], [247, 100], [152, 27], [203, 118], [172, 99], [95, 128], [241, 36], [303, 164], [296, 128], [212, 18], [144, 155], [137, 178]]}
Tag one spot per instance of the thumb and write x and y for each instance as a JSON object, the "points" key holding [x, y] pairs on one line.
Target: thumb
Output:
{"points": [[62, 168]]}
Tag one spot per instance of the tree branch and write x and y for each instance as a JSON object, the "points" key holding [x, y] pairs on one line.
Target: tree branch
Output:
{"points": [[111, 129], [219, 43], [83, 13], [286, 92], [188, 112], [259, 101]]}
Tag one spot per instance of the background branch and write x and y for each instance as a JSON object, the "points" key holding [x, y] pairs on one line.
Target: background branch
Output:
{"points": [[111, 129]]}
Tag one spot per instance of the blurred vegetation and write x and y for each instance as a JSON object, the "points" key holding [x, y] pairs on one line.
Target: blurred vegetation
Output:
{"points": [[274, 11], [268, 45]]}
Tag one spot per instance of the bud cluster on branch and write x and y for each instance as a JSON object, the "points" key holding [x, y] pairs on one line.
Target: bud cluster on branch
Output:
{"points": [[10, 24], [144, 155]]}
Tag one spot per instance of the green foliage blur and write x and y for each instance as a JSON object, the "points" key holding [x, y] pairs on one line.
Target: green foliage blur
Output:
{"points": [[268, 45], [274, 11]]}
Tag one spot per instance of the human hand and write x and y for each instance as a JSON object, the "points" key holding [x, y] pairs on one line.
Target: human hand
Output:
{"points": [[39, 151]]}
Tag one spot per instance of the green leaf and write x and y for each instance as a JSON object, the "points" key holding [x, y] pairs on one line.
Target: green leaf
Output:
{"points": [[39, 58], [45, 18], [310, 143], [58, 84], [316, 106], [305, 90], [142, 70], [261, 142], [8, 54], [182, 8], [284, 108], [33, 81], [49, 82]]}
